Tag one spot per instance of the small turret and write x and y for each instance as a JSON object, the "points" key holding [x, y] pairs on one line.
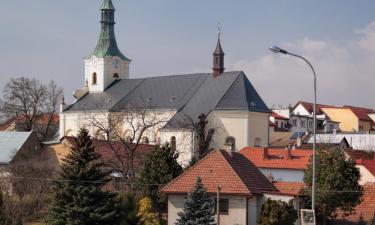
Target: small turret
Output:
{"points": [[218, 57]]}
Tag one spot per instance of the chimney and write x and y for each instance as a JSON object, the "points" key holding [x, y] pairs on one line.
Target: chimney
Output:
{"points": [[265, 153], [229, 148], [289, 154]]}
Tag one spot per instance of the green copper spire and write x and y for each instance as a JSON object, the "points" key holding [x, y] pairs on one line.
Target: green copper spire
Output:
{"points": [[107, 45], [107, 4]]}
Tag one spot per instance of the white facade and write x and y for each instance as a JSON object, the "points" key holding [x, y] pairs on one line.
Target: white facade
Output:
{"points": [[366, 175], [101, 72], [358, 141], [287, 175]]}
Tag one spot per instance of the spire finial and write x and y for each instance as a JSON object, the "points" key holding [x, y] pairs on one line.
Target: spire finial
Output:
{"points": [[218, 30]]}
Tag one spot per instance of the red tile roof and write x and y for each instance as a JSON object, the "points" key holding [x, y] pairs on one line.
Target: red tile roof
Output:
{"points": [[365, 211], [310, 107], [109, 151], [278, 158], [364, 158], [278, 116], [231, 171], [361, 113], [289, 188]]}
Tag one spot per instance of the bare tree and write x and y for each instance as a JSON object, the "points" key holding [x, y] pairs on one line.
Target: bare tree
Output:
{"points": [[124, 132], [30, 102]]}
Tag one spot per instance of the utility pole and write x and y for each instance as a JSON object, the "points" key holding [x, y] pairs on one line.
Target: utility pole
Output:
{"points": [[218, 205]]}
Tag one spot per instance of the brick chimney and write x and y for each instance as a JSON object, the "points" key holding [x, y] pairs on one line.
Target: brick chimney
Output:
{"points": [[265, 153], [288, 154]]}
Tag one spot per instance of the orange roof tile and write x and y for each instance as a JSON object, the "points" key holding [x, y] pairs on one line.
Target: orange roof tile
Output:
{"points": [[289, 188], [278, 158], [230, 171], [365, 211]]}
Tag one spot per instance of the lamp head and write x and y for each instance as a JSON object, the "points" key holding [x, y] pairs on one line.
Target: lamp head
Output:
{"points": [[276, 50]]}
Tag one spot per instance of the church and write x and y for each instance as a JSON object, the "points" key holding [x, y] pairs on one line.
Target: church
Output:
{"points": [[236, 115]]}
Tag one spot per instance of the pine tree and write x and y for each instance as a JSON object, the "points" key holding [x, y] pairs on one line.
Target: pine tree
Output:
{"points": [[198, 207], [160, 167], [79, 198], [129, 209]]}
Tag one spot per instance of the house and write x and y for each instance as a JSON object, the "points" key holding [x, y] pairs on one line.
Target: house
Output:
{"points": [[351, 118], [16, 145], [356, 140], [243, 188], [280, 122], [301, 118], [278, 165], [365, 162], [236, 114]]}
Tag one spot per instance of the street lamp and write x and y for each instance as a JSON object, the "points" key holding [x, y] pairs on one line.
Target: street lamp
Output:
{"points": [[276, 50]]}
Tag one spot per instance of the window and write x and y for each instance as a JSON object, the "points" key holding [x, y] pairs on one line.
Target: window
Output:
{"points": [[311, 124], [94, 79], [116, 76], [224, 206], [230, 141], [173, 143], [145, 140], [257, 142], [294, 122], [303, 123]]}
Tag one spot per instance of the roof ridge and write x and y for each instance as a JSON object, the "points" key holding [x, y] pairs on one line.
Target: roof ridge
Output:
{"points": [[191, 168], [234, 171], [229, 89], [127, 94]]}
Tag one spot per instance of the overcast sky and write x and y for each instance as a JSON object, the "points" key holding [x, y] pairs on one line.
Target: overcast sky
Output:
{"points": [[47, 39]]}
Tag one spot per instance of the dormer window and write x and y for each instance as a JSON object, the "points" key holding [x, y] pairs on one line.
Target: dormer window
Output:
{"points": [[94, 79]]}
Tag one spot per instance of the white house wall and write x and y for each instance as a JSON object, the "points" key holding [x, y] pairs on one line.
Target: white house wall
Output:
{"points": [[237, 213], [300, 110], [284, 174], [366, 175]]}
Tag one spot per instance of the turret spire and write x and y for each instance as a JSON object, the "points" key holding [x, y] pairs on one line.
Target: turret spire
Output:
{"points": [[218, 56], [107, 45]]}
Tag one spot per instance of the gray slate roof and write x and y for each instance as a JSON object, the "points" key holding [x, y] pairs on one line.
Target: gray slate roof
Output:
{"points": [[10, 143], [190, 95]]}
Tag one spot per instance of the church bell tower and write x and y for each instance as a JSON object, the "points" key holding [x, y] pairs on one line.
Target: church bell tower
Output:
{"points": [[106, 63], [218, 57]]}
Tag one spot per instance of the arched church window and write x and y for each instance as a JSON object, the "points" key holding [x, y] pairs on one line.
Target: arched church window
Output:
{"points": [[116, 76], [173, 143], [94, 78], [231, 141], [257, 142], [145, 140]]}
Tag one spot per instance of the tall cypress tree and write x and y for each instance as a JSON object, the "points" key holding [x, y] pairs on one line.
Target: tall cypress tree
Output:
{"points": [[79, 198], [198, 207]]}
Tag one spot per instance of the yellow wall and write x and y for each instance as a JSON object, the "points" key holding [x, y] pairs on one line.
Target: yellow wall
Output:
{"points": [[348, 120]]}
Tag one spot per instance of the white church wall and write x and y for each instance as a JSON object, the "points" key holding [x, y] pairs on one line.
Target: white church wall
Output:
{"points": [[184, 144], [258, 129]]}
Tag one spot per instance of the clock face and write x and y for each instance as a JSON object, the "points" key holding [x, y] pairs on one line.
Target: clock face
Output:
{"points": [[115, 63]]}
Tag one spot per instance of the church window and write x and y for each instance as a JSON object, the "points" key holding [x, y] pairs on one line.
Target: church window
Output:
{"points": [[145, 140], [216, 60], [116, 76], [94, 79], [231, 141], [173, 143]]}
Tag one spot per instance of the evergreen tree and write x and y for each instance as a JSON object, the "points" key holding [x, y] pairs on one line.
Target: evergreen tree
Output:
{"points": [[198, 207], [277, 213], [337, 184], [160, 167], [79, 198], [128, 205]]}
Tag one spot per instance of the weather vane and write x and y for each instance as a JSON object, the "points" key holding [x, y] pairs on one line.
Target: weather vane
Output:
{"points": [[218, 29]]}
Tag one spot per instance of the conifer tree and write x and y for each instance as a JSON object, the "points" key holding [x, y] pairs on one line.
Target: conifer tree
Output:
{"points": [[79, 198], [160, 167], [277, 212], [198, 207]]}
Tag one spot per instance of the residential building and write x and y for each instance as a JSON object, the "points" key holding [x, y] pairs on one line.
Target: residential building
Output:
{"points": [[235, 112], [243, 188], [352, 119], [356, 140], [302, 118], [279, 165], [365, 162]]}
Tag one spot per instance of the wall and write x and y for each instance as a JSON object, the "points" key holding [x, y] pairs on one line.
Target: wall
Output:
{"points": [[366, 176], [366, 125], [284, 174], [236, 215], [300, 110], [348, 121], [285, 198]]}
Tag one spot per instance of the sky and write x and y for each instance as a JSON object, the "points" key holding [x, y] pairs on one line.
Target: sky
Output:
{"points": [[48, 39]]}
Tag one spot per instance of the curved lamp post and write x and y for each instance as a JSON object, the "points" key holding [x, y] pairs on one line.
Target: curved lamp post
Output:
{"points": [[276, 50]]}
